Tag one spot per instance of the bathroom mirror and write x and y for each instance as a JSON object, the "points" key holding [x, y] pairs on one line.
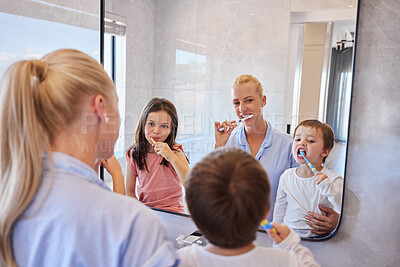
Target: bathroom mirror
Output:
{"points": [[190, 52]]}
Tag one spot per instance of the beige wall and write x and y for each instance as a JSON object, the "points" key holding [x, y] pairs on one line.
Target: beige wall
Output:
{"points": [[313, 59]]}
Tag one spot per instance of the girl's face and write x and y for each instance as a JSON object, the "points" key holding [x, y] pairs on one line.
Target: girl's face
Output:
{"points": [[246, 100], [311, 142], [158, 126]]}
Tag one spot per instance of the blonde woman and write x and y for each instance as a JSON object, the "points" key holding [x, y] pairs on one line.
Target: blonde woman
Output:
{"points": [[273, 149], [59, 119]]}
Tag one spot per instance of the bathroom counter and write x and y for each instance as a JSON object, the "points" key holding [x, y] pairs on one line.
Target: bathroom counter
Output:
{"points": [[181, 224]]}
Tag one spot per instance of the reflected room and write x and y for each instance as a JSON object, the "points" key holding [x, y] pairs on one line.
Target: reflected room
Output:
{"points": [[190, 52]]}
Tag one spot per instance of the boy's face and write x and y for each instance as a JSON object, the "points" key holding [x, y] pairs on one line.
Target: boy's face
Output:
{"points": [[309, 140]]}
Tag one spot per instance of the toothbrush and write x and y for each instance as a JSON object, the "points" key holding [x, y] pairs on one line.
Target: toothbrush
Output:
{"points": [[264, 223], [314, 170], [152, 140], [245, 118]]}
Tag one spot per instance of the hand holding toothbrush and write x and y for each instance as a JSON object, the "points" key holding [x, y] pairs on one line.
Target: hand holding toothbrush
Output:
{"points": [[162, 149], [278, 232], [223, 130], [319, 176], [239, 121], [221, 137]]}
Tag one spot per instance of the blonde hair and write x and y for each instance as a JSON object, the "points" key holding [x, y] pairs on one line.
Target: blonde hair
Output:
{"points": [[39, 98], [247, 78]]}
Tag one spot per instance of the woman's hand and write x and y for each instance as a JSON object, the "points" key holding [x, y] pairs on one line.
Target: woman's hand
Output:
{"points": [[282, 231], [223, 131], [323, 224]]}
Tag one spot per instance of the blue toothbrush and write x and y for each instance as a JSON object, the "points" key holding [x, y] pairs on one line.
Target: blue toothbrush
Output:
{"points": [[314, 170], [267, 225]]}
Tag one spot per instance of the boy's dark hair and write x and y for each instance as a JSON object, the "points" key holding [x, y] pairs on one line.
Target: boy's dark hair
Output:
{"points": [[139, 149], [326, 130], [227, 194]]}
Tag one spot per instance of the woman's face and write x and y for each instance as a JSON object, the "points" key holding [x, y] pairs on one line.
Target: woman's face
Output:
{"points": [[246, 101]]}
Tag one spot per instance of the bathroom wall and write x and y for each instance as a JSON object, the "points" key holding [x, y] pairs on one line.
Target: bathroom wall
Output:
{"points": [[140, 20], [188, 51]]}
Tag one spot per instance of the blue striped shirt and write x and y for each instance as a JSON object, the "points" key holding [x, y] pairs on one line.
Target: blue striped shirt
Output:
{"points": [[274, 154]]}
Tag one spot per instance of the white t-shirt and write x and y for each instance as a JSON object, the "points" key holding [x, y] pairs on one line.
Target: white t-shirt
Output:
{"points": [[288, 253], [296, 196]]}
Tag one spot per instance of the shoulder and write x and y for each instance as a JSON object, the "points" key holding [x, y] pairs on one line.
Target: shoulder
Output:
{"points": [[281, 136], [279, 256], [130, 161], [137, 230], [119, 225], [287, 174], [270, 252], [122, 210], [290, 171], [177, 146], [188, 255]]}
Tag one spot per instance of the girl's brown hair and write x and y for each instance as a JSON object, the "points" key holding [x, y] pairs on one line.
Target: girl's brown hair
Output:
{"points": [[228, 196], [139, 149]]}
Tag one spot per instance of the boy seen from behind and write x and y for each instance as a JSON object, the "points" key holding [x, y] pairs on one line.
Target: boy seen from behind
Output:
{"points": [[227, 194]]}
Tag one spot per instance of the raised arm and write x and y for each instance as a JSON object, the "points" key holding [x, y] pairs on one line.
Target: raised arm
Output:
{"points": [[280, 204], [287, 239], [223, 132], [177, 159], [180, 165], [333, 191], [114, 169], [130, 183]]}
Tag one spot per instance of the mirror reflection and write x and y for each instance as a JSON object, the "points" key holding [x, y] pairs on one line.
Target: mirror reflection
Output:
{"points": [[191, 53]]}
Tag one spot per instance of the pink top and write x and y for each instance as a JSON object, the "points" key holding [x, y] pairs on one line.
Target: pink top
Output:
{"points": [[160, 187]]}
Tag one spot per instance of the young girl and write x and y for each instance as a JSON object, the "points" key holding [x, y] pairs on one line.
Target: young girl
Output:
{"points": [[157, 162]]}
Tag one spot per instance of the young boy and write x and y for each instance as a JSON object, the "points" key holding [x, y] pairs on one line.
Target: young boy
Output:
{"points": [[227, 194], [299, 190]]}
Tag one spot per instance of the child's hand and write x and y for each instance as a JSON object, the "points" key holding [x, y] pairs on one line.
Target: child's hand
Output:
{"points": [[282, 231], [222, 136], [163, 149], [112, 166], [319, 177]]}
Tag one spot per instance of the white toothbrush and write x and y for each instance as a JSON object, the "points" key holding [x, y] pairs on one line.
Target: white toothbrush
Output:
{"points": [[243, 119]]}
